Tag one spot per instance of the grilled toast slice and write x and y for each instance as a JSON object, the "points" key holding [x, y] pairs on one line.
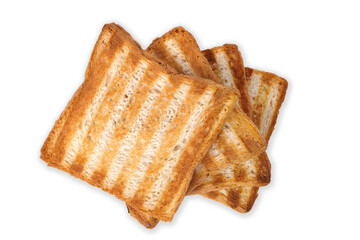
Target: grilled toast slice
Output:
{"points": [[179, 49], [267, 92], [133, 129]]}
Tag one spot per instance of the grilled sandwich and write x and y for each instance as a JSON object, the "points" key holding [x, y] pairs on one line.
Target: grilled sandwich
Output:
{"points": [[133, 129], [179, 49]]}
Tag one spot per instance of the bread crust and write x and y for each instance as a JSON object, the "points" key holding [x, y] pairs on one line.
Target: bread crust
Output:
{"points": [[144, 219]]}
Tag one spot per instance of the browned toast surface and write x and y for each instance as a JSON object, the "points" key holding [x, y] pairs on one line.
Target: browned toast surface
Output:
{"points": [[134, 130]]}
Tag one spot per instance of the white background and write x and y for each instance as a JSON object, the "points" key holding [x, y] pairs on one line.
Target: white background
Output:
{"points": [[315, 45]]}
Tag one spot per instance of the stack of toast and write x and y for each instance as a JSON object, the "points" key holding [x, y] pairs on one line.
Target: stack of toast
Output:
{"points": [[151, 126]]}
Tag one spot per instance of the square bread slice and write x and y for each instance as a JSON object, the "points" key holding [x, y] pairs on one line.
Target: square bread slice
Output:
{"points": [[134, 130]]}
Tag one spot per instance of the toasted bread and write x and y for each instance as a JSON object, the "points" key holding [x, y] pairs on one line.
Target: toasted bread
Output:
{"points": [[267, 92], [179, 49], [242, 199], [135, 130], [227, 64]]}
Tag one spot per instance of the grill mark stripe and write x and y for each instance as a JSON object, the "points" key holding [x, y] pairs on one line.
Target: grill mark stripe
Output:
{"points": [[210, 56], [233, 198], [170, 144], [107, 133], [77, 138], [191, 124], [159, 51], [154, 145], [178, 56], [130, 140]]}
